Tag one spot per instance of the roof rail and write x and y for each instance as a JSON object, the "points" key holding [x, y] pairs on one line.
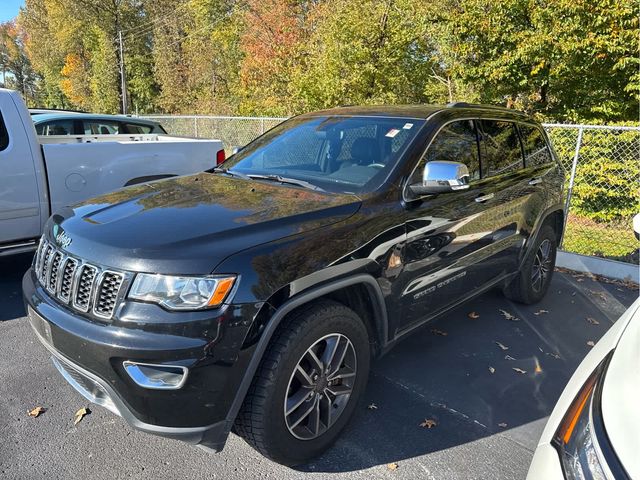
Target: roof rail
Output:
{"points": [[480, 105]]}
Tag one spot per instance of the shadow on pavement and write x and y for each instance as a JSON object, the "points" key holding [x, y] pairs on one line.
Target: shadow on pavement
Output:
{"points": [[449, 378], [11, 271]]}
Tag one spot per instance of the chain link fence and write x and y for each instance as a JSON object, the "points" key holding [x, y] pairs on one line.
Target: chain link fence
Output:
{"points": [[602, 166]]}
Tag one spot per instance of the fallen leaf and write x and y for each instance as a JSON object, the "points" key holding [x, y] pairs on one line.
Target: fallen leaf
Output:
{"points": [[593, 321], [509, 316], [392, 466], [502, 425], [473, 315], [519, 370], [540, 312], [538, 368], [591, 343], [428, 423], [509, 357], [80, 414], [435, 331], [502, 346], [492, 370], [35, 412], [372, 406]]}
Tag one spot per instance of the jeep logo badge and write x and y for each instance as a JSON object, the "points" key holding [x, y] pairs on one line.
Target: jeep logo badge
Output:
{"points": [[63, 240]]}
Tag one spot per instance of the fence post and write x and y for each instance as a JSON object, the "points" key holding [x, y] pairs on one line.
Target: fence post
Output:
{"points": [[195, 126], [261, 126], [572, 178]]}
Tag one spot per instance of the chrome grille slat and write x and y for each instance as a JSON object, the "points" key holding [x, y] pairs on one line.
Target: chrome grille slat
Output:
{"points": [[66, 279], [53, 272], [83, 286], [106, 294], [85, 282]]}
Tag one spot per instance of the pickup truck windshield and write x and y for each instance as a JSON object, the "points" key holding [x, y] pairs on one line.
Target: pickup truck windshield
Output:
{"points": [[334, 153]]}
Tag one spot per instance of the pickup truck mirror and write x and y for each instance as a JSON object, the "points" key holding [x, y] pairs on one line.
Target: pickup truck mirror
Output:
{"points": [[441, 176]]}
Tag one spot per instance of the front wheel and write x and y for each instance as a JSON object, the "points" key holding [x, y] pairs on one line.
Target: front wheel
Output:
{"points": [[534, 277], [308, 384]]}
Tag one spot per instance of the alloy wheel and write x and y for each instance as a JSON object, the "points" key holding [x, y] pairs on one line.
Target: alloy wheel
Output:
{"points": [[541, 266], [320, 386]]}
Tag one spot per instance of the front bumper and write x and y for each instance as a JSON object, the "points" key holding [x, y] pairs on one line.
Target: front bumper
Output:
{"points": [[90, 355]]}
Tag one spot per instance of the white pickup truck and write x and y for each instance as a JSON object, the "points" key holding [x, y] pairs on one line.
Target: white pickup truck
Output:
{"points": [[38, 175]]}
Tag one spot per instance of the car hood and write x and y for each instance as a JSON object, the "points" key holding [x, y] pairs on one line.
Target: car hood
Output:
{"points": [[620, 395], [189, 224]]}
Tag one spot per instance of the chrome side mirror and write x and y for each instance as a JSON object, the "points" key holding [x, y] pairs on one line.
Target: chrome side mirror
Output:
{"points": [[440, 177]]}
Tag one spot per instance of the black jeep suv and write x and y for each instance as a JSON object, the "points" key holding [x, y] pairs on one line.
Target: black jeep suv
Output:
{"points": [[253, 296]]}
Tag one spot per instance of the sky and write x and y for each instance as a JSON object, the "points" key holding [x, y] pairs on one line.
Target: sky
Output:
{"points": [[9, 9]]}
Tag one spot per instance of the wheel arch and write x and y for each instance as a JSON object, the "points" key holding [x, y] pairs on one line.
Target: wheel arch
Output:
{"points": [[553, 216], [349, 291]]}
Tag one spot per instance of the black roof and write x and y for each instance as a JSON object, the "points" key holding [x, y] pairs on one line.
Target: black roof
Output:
{"points": [[421, 111]]}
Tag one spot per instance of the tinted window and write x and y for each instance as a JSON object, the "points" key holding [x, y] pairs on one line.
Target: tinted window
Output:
{"points": [[335, 153], [57, 127], [536, 150], [500, 147], [455, 142], [101, 127], [4, 135], [137, 128]]}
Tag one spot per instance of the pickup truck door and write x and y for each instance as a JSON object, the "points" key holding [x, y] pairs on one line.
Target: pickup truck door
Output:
{"points": [[20, 201]]}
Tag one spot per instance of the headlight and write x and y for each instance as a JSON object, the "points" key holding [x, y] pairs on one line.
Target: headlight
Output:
{"points": [[580, 439], [182, 293]]}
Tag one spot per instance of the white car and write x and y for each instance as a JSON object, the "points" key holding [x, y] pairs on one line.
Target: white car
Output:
{"points": [[594, 430]]}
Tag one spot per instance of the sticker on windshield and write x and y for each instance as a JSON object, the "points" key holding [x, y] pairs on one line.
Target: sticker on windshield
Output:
{"points": [[392, 133], [407, 126]]}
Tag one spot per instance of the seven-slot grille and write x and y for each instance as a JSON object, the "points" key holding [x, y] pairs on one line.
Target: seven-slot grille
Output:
{"points": [[83, 286]]}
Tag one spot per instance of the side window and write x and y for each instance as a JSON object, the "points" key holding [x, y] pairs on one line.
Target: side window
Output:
{"points": [[455, 142], [500, 147], [101, 127], [536, 150], [56, 127], [137, 128], [4, 135]]}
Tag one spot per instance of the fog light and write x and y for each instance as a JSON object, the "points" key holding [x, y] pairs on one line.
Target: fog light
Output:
{"points": [[157, 377]]}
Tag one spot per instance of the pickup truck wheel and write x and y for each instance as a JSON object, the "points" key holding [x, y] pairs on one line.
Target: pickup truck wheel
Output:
{"points": [[308, 384], [534, 277]]}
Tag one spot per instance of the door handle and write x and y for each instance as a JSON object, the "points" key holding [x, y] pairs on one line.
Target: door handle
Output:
{"points": [[484, 198], [535, 181]]}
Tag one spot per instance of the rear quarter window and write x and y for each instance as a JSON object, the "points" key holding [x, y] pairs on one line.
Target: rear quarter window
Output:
{"points": [[536, 150], [500, 147]]}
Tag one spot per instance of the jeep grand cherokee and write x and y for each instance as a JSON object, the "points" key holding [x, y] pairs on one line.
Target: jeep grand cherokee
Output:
{"points": [[253, 296]]}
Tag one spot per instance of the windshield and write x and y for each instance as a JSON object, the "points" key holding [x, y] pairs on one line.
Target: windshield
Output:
{"points": [[339, 154]]}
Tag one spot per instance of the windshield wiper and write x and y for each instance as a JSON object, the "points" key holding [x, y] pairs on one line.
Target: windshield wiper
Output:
{"points": [[291, 181], [226, 171]]}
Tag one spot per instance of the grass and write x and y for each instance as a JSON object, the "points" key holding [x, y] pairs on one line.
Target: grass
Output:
{"points": [[609, 240]]}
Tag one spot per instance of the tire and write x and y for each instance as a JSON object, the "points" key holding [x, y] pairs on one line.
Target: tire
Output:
{"points": [[262, 420], [532, 282]]}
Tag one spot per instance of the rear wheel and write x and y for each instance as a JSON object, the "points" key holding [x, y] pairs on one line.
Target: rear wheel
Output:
{"points": [[534, 277], [308, 384]]}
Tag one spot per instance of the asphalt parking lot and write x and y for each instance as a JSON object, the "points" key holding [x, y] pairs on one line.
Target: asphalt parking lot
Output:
{"points": [[486, 424]]}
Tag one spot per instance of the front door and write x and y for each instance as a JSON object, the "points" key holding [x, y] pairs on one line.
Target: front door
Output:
{"points": [[448, 236]]}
